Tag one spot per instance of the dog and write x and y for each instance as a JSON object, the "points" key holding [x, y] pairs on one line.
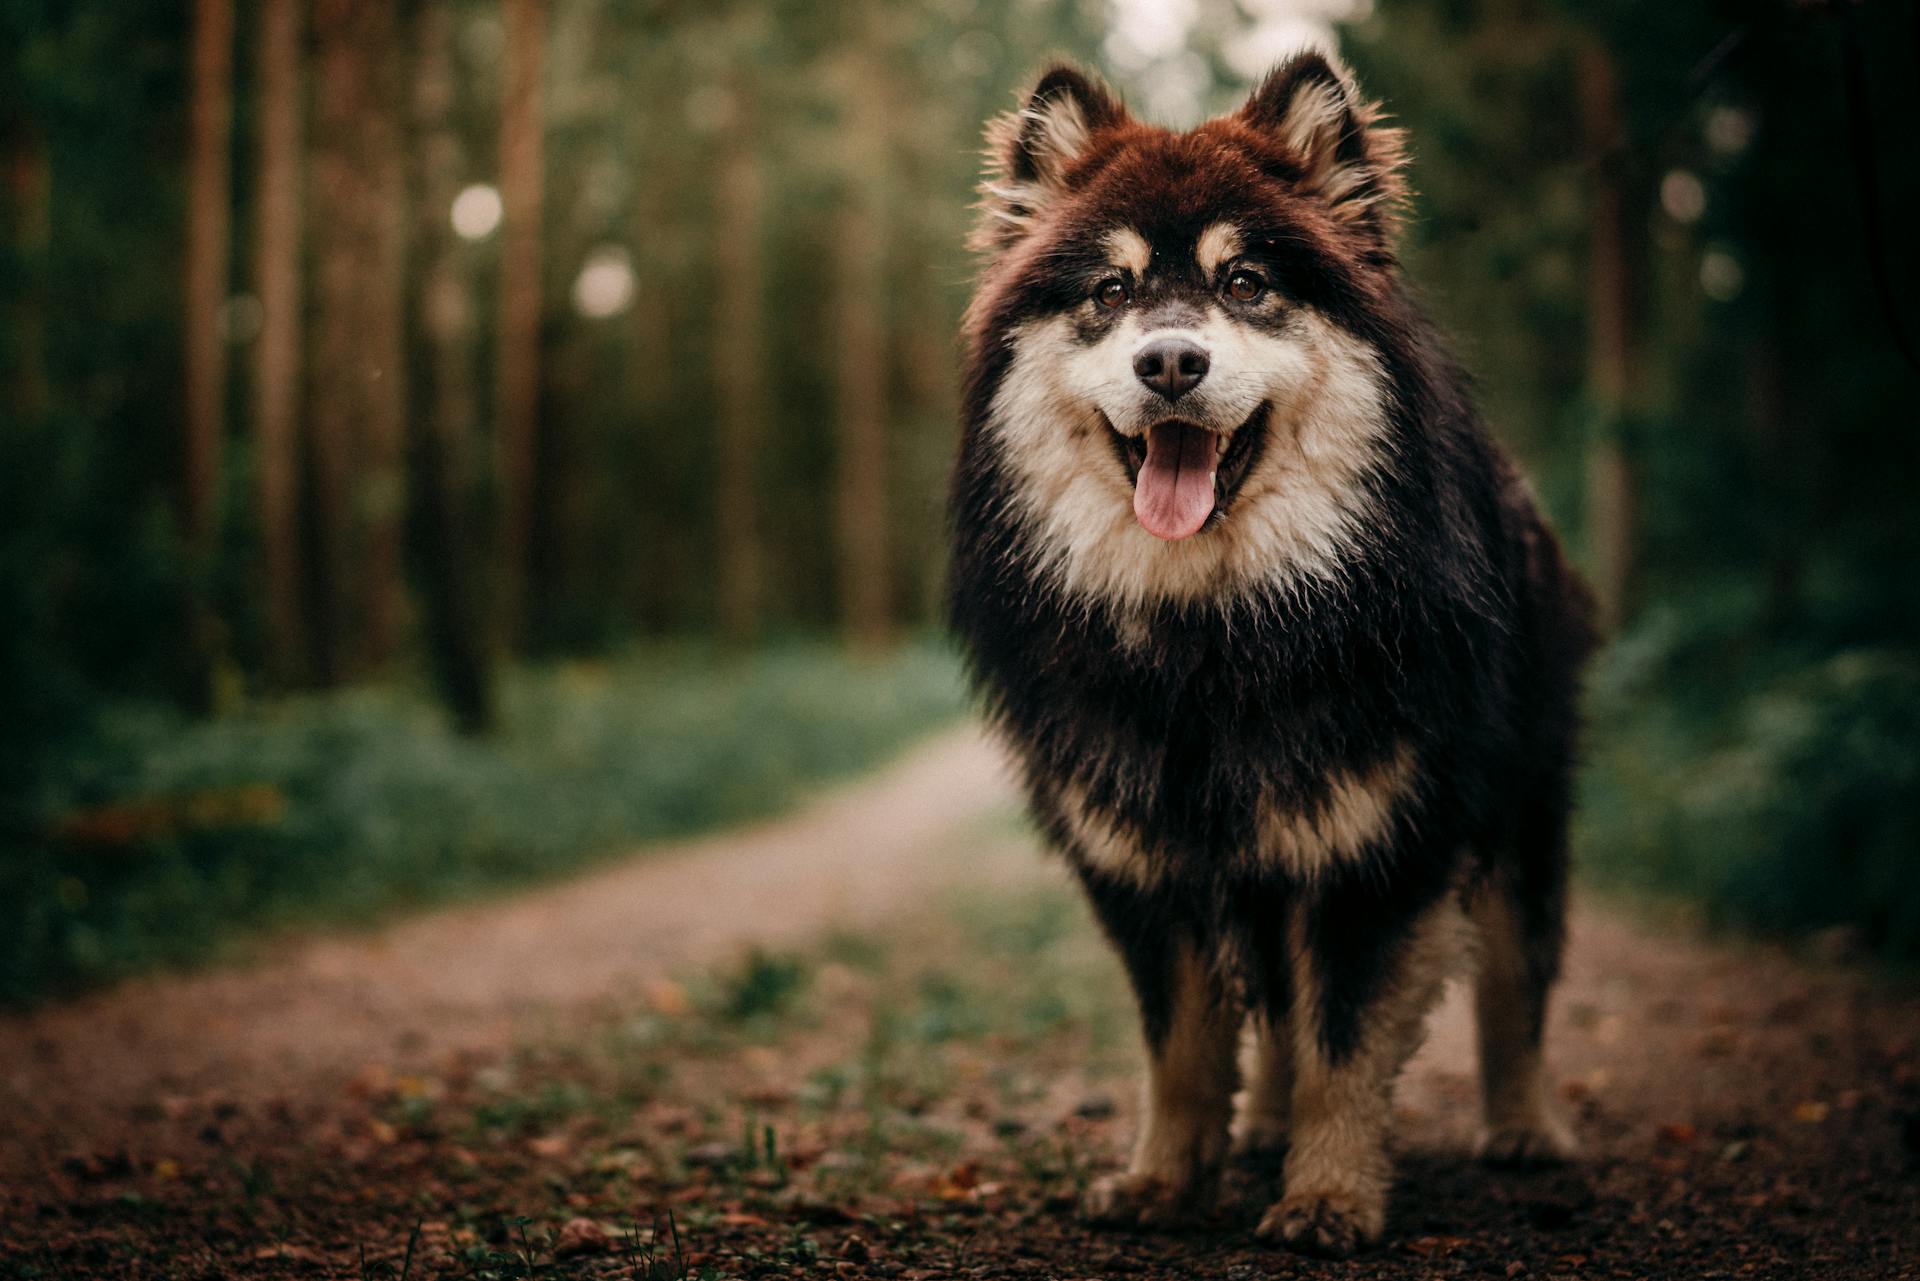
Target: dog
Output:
{"points": [[1286, 654]]}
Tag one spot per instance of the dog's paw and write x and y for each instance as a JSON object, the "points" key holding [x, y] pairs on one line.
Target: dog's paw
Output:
{"points": [[1332, 1225], [1140, 1201], [1535, 1141]]}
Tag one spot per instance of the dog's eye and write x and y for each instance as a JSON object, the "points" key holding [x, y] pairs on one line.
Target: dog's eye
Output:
{"points": [[1245, 286], [1110, 292]]}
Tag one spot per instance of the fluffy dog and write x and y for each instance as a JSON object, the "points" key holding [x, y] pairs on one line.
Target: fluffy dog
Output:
{"points": [[1284, 649]]}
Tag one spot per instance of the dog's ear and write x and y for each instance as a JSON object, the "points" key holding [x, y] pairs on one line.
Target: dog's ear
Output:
{"points": [[1030, 151], [1336, 147]]}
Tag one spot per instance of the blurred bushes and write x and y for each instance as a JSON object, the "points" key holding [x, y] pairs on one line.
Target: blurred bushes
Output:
{"points": [[154, 839], [1779, 788]]}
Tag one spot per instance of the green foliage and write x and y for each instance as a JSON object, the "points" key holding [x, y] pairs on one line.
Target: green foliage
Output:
{"points": [[158, 839], [1781, 794]]}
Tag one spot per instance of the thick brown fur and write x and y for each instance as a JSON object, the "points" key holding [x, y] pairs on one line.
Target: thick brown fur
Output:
{"points": [[1303, 759]]}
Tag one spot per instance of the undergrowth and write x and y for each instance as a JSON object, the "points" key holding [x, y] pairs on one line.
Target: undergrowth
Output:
{"points": [[160, 841]]}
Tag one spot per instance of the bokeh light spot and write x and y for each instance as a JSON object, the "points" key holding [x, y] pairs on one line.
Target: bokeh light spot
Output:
{"points": [[476, 211]]}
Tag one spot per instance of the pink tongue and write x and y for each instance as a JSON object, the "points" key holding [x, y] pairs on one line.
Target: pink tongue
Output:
{"points": [[1174, 495]]}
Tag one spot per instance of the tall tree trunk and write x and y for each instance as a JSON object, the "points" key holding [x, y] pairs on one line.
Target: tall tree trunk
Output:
{"points": [[358, 408], [441, 472], [383, 489], [929, 356], [1617, 273], [646, 582], [277, 352], [208, 242], [517, 366], [29, 227], [739, 374], [862, 368]]}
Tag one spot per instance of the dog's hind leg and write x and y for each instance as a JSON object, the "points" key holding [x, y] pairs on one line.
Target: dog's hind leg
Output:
{"points": [[1191, 1021], [1520, 916], [1260, 1122]]}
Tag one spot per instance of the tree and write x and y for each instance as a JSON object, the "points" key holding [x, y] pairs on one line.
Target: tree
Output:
{"points": [[358, 403], [517, 364], [25, 187], [739, 356], [209, 217], [1616, 271], [861, 362], [440, 472], [276, 417]]}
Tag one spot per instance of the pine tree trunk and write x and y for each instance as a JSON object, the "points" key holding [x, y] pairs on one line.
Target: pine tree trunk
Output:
{"points": [[645, 580], [358, 406], [277, 352], [517, 365], [859, 341], [441, 457], [28, 230], [739, 356], [209, 238], [383, 490], [1617, 272]]}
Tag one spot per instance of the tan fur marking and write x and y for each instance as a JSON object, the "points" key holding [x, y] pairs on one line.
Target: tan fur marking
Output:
{"points": [[1218, 244], [1189, 1102], [1129, 249], [1358, 810], [1102, 845]]}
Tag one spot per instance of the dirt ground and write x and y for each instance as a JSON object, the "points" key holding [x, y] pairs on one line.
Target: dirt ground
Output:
{"points": [[880, 1038]]}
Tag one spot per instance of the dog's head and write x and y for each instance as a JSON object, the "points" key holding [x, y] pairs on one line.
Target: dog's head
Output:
{"points": [[1164, 324]]}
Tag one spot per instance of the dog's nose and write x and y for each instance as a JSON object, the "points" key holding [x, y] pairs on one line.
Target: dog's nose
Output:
{"points": [[1173, 366]]}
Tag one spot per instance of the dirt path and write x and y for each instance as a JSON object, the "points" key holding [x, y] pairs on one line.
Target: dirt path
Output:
{"points": [[1743, 1113], [481, 978]]}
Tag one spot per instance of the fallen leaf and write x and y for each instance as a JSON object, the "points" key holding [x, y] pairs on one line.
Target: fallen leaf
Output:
{"points": [[956, 1184], [418, 1087], [1811, 1112], [292, 1253], [579, 1237], [1678, 1133], [550, 1145]]}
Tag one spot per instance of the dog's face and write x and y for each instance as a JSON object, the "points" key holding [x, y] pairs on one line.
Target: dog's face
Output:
{"points": [[1166, 325]]}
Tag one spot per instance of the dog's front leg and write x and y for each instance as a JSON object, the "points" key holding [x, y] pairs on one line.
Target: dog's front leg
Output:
{"points": [[1355, 1017], [1192, 1025]]}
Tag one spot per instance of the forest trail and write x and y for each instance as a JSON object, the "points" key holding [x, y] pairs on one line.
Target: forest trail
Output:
{"points": [[1741, 1110], [480, 978]]}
